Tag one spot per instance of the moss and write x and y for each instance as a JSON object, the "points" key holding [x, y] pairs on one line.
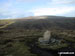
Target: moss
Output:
{"points": [[17, 49], [54, 47], [20, 49]]}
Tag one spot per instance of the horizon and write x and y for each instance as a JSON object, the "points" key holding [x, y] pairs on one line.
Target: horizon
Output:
{"points": [[11, 9], [35, 16]]}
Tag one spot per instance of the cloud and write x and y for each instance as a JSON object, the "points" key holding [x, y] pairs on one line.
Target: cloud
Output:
{"points": [[15, 8], [52, 11], [8, 10], [26, 0], [63, 1], [14, 14]]}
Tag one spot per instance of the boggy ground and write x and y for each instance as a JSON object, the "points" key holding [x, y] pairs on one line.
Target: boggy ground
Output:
{"points": [[21, 42]]}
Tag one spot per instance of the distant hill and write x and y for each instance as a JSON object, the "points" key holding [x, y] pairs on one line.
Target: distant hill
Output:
{"points": [[44, 22]]}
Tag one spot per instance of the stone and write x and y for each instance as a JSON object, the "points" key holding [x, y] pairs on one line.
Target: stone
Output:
{"points": [[46, 37]]}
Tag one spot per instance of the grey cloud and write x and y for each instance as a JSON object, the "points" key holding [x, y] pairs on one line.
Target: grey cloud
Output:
{"points": [[63, 1], [72, 2]]}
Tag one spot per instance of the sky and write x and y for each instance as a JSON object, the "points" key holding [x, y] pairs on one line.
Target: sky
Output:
{"points": [[10, 9]]}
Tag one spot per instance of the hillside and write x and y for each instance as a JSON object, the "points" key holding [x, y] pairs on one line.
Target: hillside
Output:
{"points": [[4, 23], [19, 37], [44, 22]]}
